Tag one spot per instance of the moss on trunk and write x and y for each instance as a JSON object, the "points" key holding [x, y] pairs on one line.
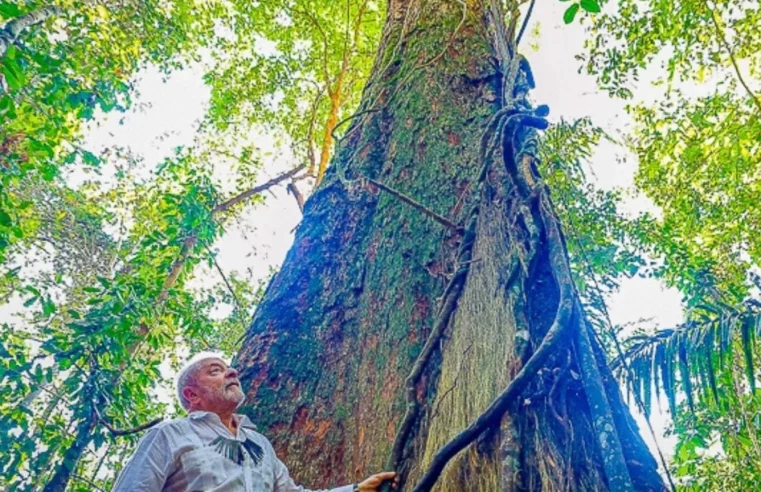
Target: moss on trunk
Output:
{"points": [[341, 324]]}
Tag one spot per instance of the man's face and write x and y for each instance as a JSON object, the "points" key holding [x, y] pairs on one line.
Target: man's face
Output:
{"points": [[215, 387]]}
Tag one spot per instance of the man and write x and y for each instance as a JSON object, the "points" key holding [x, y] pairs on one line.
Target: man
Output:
{"points": [[213, 449]]}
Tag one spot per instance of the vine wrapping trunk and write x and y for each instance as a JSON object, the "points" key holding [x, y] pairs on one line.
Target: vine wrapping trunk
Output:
{"points": [[342, 324]]}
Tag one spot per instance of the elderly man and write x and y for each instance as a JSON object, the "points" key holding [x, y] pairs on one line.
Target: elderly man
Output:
{"points": [[213, 449]]}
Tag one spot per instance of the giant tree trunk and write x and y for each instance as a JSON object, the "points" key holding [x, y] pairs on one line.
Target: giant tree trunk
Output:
{"points": [[341, 325]]}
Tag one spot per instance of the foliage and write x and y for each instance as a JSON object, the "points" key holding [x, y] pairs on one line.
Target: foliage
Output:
{"points": [[101, 276], [100, 340], [301, 77], [693, 356], [697, 147], [696, 137], [59, 72], [599, 240], [718, 448]]}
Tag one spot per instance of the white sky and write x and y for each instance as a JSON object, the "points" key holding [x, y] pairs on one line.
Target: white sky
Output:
{"points": [[174, 106]]}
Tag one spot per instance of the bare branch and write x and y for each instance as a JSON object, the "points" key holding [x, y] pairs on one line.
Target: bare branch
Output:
{"points": [[294, 190], [88, 482], [416, 205], [310, 133], [124, 432], [325, 45], [224, 278], [226, 205]]}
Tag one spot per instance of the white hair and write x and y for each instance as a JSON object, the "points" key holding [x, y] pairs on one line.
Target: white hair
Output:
{"points": [[187, 374]]}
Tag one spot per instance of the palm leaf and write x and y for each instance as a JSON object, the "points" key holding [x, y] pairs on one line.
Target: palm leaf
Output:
{"points": [[684, 374], [747, 346], [672, 361]]}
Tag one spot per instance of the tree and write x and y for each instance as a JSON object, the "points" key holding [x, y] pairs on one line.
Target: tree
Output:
{"points": [[303, 81], [100, 329], [427, 306]]}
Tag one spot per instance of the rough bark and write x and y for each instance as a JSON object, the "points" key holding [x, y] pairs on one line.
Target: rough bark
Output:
{"points": [[341, 325]]}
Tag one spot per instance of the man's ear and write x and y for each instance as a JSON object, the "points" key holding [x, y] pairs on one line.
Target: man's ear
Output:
{"points": [[191, 395]]}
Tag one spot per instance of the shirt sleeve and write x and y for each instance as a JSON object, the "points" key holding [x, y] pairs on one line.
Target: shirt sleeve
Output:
{"points": [[149, 467], [284, 482]]}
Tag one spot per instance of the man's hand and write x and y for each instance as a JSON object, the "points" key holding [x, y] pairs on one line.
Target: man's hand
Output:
{"points": [[372, 483]]}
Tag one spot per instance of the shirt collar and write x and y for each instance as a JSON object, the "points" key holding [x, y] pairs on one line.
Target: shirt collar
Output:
{"points": [[243, 420]]}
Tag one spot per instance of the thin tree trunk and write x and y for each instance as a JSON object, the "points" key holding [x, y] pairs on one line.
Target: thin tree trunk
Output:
{"points": [[365, 283], [327, 134], [71, 457]]}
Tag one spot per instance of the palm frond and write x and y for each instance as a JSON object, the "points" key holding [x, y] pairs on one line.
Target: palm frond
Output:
{"points": [[685, 360]]}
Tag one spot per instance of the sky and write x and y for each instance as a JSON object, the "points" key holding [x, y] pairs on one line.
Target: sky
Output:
{"points": [[170, 108]]}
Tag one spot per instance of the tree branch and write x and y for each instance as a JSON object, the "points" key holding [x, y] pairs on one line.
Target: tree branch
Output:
{"points": [[325, 46], [728, 49], [226, 205], [10, 33], [294, 190], [416, 205], [310, 133], [87, 481], [124, 432], [224, 278]]}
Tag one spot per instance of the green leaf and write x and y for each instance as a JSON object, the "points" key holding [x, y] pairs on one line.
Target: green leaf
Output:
{"points": [[747, 346], [9, 10], [30, 301], [48, 172], [570, 13], [6, 105], [90, 159], [711, 371], [13, 74], [684, 374], [5, 219], [590, 6], [48, 308]]}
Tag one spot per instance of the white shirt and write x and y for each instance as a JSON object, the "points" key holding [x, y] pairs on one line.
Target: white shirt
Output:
{"points": [[178, 456]]}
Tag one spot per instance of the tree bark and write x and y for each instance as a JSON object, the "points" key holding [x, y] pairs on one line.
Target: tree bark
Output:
{"points": [[12, 30], [66, 468], [341, 325]]}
